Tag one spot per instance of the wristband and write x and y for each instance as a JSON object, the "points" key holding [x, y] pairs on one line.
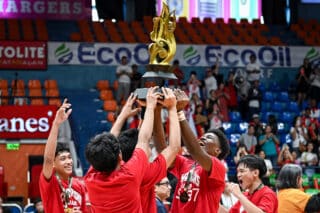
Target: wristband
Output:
{"points": [[181, 116]]}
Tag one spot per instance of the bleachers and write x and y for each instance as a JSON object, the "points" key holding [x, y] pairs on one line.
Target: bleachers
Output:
{"points": [[196, 31], [31, 92]]}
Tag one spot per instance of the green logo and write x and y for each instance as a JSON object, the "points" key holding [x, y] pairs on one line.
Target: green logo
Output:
{"points": [[191, 56], [63, 54]]}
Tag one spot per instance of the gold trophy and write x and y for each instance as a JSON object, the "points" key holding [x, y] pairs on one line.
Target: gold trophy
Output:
{"points": [[162, 50]]}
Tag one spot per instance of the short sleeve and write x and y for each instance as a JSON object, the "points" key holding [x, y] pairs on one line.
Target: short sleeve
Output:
{"points": [[156, 171], [138, 163]]}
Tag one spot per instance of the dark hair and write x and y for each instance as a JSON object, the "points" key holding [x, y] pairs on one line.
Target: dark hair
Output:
{"points": [[223, 141], [128, 140], [193, 73], [288, 176], [294, 121], [61, 147], [102, 152], [254, 162]]}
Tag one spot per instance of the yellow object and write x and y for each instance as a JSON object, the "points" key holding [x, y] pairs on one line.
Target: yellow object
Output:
{"points": [[163, 49]]}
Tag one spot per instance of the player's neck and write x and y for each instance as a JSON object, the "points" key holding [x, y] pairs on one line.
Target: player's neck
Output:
{"points": [[257, 185]]}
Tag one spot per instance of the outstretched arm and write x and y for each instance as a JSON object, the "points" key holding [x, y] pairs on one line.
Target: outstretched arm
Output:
{"points": [[172, 150], [126, 112], [147, 125], [50, 149], [190, 140], [158, 131]]}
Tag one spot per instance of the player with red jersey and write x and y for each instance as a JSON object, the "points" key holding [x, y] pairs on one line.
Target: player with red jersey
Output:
{"points": [[60, 192]]}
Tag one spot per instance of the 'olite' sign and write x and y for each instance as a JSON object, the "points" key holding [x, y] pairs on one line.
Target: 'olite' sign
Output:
{"points": [[21, 122]]}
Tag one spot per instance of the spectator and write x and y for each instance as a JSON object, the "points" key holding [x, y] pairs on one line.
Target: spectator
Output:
{"points": [[215, 117], [272, 121], [315, 85], [295, 158], [136, 78], [254, 99], [302, 81], [269, 143], [162, 190], [211, 101], [314, 109], [253, 70], [258, 129], [268, 163], [290, 196], [175, 69], [256, 197], [223, 99], [200, 120], [194, 84], [124, 74], [243, 87], [194, 102], [309, 160], [210, 83], [299, 135], [242, 151], [232, 92], [285, 156], [249, 140], [215, 71]]}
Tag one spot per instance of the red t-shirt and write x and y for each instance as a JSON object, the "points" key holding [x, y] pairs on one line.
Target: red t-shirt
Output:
{"points": [[156, 171], [51, 194], [204, 188], [119, 190], [265, 199]]}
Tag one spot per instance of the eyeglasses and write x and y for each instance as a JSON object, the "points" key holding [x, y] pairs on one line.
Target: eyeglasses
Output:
{"points": [[167, 183]]}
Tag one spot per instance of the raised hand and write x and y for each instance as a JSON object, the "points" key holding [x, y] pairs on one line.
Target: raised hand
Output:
{"points": [[63, 112], [169, 100], [127, 110], [182, 99], [152, 97]]}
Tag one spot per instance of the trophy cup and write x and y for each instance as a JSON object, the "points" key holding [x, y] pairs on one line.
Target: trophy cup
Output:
{"points": [[162, 50]]}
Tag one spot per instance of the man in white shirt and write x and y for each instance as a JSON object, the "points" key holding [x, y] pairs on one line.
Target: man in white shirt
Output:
{"points": [[253, 70], [123, 73]]}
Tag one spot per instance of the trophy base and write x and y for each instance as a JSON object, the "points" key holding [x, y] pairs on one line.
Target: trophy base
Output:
{"points": [[142, 93], [158, 71]]}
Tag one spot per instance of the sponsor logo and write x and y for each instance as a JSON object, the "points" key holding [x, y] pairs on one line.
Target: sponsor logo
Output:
{"points": [[314, 57], [191, 56], [63, 54], [26, 121], [18, 124]]}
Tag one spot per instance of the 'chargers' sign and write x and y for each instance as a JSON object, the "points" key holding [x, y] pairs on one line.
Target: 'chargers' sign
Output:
{"points": [[188, 55]]}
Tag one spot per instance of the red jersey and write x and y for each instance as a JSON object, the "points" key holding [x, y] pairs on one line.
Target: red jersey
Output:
{"points": [[117, 191], [265, 199], [204, 189], [52, 195], [156, 171]]}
